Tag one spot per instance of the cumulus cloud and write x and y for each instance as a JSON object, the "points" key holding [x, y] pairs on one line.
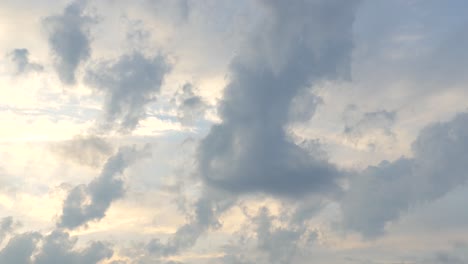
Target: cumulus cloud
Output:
{"points": [[69, 39], [21, 62], [189, 105], [300, 43], [382, 193], [128, 85], [90, 202], [56, 248]]}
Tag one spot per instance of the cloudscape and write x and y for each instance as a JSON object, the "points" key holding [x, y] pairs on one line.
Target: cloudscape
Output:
{"points": [[233, 132]]}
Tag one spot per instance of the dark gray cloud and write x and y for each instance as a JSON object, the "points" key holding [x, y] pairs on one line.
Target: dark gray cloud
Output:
{"points": [[90, 202], [20, 59], [84, 150], [56, 248], [128, 84], [69, 39], [189, 105], [382, 193], [299, 43]]}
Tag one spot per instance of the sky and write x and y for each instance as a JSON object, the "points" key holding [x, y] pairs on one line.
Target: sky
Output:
{"points": [[234, 132]]}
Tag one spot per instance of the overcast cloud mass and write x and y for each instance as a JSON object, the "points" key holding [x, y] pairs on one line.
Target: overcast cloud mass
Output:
{"points": [[236, 132]]}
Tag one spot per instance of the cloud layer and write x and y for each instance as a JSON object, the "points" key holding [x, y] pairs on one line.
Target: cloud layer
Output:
{"points": [[324, 131]]}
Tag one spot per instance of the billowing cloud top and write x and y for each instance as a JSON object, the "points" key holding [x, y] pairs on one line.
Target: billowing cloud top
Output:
{"points": [[237, 132]]}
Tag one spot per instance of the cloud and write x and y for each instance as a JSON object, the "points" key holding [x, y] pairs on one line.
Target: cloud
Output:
{"points": [[368, 126], [6, 226], [299, 44], [58, 247], [357, 123], [128, 84], [382, 193], [20, 59], [233, 259], [190, 106], [456, 254], [280, 243], [90, 202], [270, 238], [267, 64], [84, 150], [249, 152], [186, 236], [175, 10], [69, 40], [55, 248], [20, 248], [303, 106], [446, 258]]}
